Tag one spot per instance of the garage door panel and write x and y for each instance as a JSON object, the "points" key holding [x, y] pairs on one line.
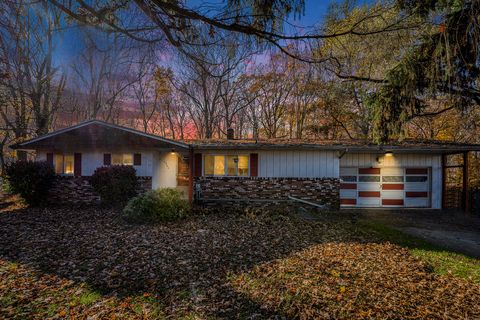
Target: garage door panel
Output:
{"points": [[368, 202], [393, 202], [348, 202], [392, 172], [348, 194], [396, 194], [416, 186], [368, 186], [417, 202]]}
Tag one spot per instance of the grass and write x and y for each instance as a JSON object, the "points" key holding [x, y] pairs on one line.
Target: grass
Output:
{"points": [[88, 298], [441, 261]]}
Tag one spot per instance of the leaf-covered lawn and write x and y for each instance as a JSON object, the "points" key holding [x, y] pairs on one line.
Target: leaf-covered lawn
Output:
{"points": [[359, 281], [87, 263], [185, 266], [443, 262]]}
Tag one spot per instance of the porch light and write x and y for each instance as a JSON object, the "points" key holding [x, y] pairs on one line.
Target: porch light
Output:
{"points": [[388, 154]]}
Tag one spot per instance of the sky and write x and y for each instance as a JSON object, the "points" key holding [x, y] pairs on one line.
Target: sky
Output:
{"points": [[71, 42]]}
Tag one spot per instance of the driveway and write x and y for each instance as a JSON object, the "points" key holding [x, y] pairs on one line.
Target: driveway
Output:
{"points": [[451, 230]]}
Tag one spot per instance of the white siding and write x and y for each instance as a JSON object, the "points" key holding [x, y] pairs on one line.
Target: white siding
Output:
{"points": [[303, 164], [402, 160], [93, 159]]}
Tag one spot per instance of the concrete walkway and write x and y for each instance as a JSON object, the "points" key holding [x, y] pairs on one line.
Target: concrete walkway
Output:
{"points": [[452, 230]]}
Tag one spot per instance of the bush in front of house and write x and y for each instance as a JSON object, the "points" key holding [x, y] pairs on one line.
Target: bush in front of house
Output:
{"points": [[115, 184], [157, 206], [32, 180]]}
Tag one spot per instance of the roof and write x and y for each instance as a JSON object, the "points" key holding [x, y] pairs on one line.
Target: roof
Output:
{"points": [[408, 145], [99, 134]]}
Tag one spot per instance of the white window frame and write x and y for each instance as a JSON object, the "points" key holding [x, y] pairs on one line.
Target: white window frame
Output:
{"points": [[225, 164]]}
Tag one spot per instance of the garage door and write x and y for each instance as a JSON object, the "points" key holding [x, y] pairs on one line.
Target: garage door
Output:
{"points": [[385, 187]]}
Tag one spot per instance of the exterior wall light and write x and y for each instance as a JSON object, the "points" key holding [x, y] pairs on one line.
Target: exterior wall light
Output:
{"points": [[389, 154]]}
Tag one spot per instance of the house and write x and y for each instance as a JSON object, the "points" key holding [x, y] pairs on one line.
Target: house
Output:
{"points": [[334, 173]]}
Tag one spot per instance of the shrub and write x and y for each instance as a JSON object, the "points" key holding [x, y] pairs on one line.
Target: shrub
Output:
{"points": [[115, 184], [157, 206], [31, 180]]}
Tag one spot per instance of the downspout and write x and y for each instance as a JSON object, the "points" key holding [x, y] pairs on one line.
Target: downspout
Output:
{"points": [[466, 200], [190, 175], [444, 180]]}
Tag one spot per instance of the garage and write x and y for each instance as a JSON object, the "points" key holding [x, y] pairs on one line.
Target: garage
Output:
{"points": [[385, 187]]}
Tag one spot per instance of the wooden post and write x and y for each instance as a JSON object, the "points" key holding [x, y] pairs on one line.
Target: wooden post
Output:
{"points": [[444, 180], [190, 175], [465, 191]]}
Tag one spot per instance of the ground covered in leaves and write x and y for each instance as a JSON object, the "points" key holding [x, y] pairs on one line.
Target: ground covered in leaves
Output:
{"points": [[88, 263], [359, 281]]}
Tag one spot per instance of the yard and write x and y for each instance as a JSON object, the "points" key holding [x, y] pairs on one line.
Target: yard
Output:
{"points": [[80, 263]]}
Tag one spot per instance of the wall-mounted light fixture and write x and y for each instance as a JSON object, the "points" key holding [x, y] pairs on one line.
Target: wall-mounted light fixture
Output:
{"points": [[386, 154]]}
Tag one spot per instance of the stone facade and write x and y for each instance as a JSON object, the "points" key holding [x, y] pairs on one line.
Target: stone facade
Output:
{"points": [[260, 191], [69, 190]]}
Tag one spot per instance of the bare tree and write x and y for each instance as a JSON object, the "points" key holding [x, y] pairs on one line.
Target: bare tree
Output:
{"points": [[32, 85], [103, 73]]}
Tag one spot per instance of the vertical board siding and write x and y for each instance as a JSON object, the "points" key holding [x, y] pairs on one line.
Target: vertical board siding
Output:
{"points": [[402, 160], [301, 164]]}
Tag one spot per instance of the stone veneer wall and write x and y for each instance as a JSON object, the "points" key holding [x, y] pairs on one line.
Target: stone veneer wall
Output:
{"points": [[260, 191], [69, 190]]}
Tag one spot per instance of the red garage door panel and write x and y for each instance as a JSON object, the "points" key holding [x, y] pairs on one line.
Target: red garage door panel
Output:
{"points": [[416, 171], [392, 202], [392, 186], [413, 194], [348, 201], [369, 194], [369, 171], [348, 186]]}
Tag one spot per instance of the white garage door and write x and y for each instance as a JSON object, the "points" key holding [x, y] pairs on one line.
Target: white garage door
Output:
{"points": [[385, 187]]}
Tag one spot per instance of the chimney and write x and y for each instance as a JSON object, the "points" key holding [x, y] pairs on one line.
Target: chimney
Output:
{"points": [[230, 134]]}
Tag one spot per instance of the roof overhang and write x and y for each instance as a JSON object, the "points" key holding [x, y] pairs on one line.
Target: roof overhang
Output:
{"points": [[377, 149]]}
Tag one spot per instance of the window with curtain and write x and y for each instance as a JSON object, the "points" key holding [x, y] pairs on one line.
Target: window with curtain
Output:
{"points": [[125, 159], [226, 165], [64, 164]]}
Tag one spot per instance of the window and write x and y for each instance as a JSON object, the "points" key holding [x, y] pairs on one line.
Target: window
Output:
{"points": [[226, 165], [125, 159], [416, 178], [369, 179], [349, 178], [392, 178], [63, 163]]}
